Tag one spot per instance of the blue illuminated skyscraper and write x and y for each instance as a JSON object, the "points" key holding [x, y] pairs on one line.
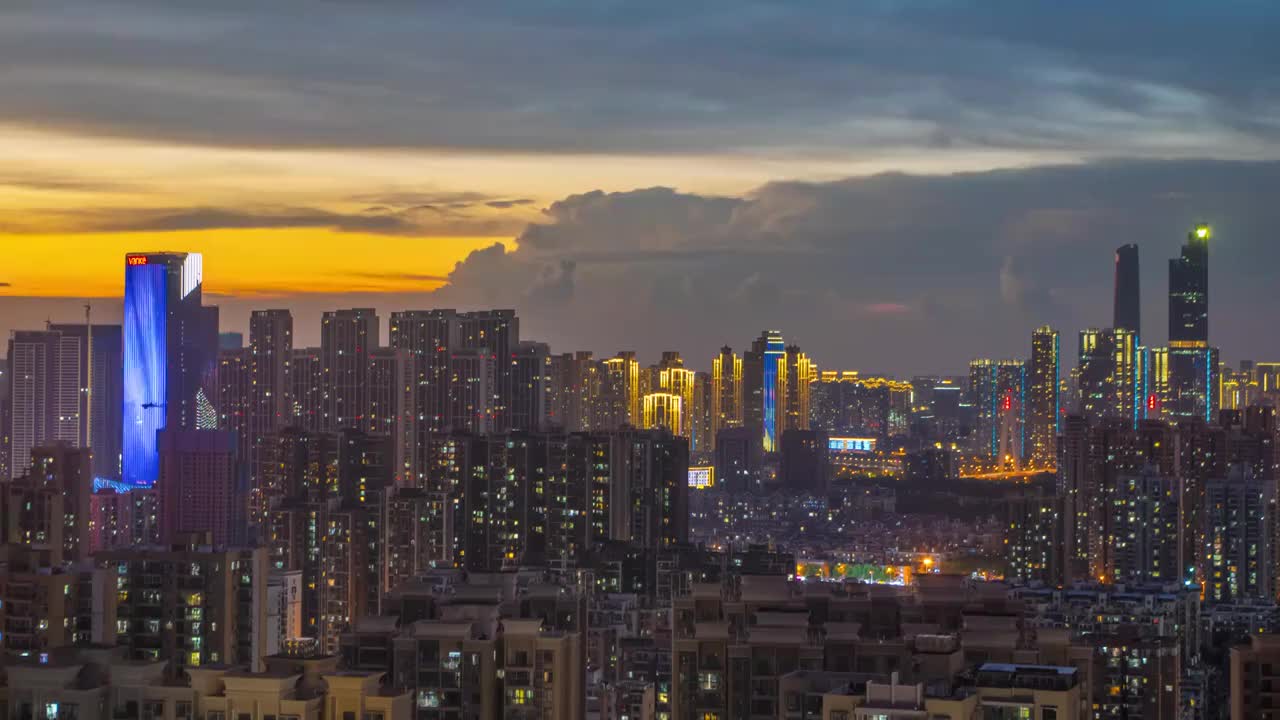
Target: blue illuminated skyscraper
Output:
{"points": [[170, 349], [764, 388]]}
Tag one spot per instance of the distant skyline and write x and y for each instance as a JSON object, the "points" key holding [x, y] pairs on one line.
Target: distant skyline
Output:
{"points": [[898, 186]]}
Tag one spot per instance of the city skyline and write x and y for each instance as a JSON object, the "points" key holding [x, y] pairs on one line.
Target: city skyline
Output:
{"points": [[310, 326]]}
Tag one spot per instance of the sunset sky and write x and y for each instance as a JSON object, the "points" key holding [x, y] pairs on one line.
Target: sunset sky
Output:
{"points": [[894, 184]]}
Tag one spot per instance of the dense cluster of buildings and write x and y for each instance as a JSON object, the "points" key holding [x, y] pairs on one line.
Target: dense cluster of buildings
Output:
{"points": [[449, 521]]}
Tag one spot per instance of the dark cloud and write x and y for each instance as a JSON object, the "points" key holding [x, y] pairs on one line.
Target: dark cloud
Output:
{"points": [[504, 204], [1093, 77], [399, 276], [890, 272], [5, 284], [384, 221], [46, 182], [424, 198]]}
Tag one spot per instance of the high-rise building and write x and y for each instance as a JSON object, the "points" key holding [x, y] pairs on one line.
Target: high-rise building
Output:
{"points": [[1044, 407], [1254, 669], [619, 398], [1127, 310], [1237, 388], [47, 508], [701, 437], [270, 359], [431, 338], [1187, 372], [764, 388], [529, 498], [575, 390], [1095, 461], [391, 415], [326, 521], [1076, 485], [1184, 382], [844, 403], [418, 529], [364, 466], [350, 570], [672, 377], [1111, 383], [499, 332], [830, 404], [1034, 536], [804, 465], [1237, 544], [1267, 376], [1189, 291], [726, 391], [234, 395], [190, 604], [531, 387], [5, 425], [774, 389], [347, 338], [738, 459], [649, 489], [801, 372], [65, 388], [170, 345], [202, 486], [48, 608], [100, 357], [307, 388], [998, 391], [664, 410], [1202, 455], [1144, 536], [38, 395], [474, 372]]}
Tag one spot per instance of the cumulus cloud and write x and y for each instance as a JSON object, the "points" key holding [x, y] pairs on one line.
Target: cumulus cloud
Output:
{"points": [[879, 273]]}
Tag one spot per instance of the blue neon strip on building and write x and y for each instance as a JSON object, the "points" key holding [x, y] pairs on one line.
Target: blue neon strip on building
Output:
{"points": [[145, 371], [775, 352]]}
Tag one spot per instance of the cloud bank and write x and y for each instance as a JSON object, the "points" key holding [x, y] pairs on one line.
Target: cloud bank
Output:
{"points": [[761, 76], [888, 272]]}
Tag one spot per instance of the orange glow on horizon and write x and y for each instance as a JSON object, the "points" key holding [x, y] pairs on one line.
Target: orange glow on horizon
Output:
{"points": [[241, 262]]}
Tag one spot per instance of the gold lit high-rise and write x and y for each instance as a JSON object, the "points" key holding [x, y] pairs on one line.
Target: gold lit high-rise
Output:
{"points": [[726, 392]]}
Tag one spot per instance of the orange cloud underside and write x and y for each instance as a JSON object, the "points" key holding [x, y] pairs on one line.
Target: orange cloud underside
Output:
{"points": [[236, 262]]}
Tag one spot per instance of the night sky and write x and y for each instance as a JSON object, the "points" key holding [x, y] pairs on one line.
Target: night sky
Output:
{"points": [[898, 186]]}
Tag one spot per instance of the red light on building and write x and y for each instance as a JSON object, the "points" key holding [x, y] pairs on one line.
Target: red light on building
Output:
{"points": [[1152, 402], [1007, 403], [135, 260]]}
